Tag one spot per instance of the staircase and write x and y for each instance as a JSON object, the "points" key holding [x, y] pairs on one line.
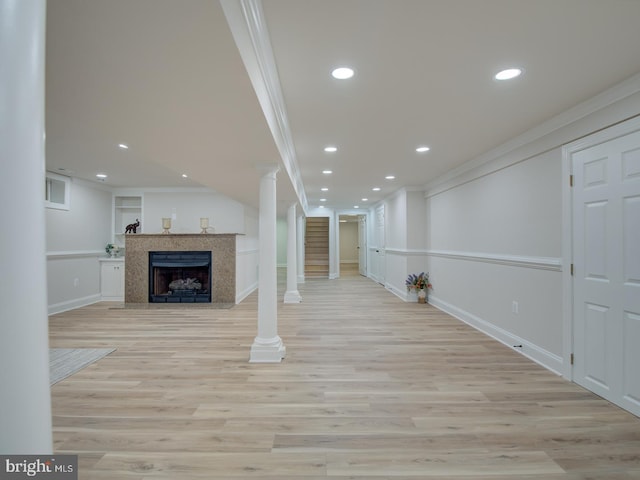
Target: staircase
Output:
{"points": [[316, 252]]}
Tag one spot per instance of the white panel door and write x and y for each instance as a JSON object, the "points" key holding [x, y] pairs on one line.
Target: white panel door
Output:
{"points": [[362, 245], [606, 252], [380, 239]]}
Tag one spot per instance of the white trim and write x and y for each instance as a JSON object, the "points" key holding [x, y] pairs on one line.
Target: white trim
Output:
{"points": [[247, 252], [608, 134], [498, 158], [568, 150], [542, 263], [533, 352], [75, 254], [73, 304], [240, 296], [140, 191], [292, 296], [119, 298], [402, 294], [249, 29], [270, 350], [407, 252]]}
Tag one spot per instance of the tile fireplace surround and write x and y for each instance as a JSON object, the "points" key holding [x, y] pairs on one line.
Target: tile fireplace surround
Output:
{"points": [[223, 262]]}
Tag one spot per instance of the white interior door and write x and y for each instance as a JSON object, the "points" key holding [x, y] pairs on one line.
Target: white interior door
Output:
{"points": [[362, 245], [380, 239], [606, 256]]}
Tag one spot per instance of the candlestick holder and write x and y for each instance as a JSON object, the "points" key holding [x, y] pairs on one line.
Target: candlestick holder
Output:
{"points": [[204, 224], [166, 225]]}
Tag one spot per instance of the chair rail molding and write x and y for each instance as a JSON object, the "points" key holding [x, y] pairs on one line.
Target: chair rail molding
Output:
{"points": [[542, 263], [75, 254]]}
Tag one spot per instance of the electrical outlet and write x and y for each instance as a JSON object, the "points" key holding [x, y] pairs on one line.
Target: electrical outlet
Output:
{"points": [[515, 308]]}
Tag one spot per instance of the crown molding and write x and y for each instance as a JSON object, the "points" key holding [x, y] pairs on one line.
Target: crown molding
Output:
{"points": [[497, 158], [249, 29]]}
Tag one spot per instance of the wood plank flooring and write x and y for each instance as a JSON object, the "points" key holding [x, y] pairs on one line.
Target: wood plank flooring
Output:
{"points": [[371, 388]]}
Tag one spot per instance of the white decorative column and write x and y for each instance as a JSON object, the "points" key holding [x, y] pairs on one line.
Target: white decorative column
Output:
{"points": [[25, 399], [301, 243], [267, 346], [292, 295]]}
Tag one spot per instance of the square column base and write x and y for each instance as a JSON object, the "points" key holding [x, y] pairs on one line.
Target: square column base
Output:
{"points": [[272, 352], [292, 296]]}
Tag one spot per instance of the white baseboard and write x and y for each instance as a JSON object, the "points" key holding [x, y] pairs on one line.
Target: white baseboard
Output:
{"points": [[403, 294], [535, 353], [246, 292], [112, 299], [72, 304]]}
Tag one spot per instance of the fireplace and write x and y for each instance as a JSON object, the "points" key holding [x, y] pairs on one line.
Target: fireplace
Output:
{"points": [[221, 246], [180, 277]]}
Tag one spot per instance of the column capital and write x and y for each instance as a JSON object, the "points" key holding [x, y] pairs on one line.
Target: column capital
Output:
{"points": [[268, 170]]}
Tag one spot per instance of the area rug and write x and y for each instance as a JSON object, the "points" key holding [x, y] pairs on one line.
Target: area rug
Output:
{"points": [[64, 362]]}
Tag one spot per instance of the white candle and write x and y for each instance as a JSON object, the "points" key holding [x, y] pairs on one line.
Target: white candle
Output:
{"points": [[204, 222], [166, 223]]}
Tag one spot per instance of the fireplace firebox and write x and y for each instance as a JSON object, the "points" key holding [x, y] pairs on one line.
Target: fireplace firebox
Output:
{"points": [[180, 277]]}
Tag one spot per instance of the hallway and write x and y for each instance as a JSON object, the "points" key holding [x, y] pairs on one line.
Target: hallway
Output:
{"points": [[371, 387]]}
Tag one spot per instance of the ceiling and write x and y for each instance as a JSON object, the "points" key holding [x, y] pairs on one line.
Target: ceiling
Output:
{"points": [[168, 79]]}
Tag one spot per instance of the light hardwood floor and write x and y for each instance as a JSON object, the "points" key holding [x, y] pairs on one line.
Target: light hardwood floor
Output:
{"points": [[371, 388]]}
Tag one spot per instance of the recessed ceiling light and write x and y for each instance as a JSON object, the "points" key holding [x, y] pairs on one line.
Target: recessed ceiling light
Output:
{"points": [[342, 73], [101, 175], [123, 146], [324, 189], [330, 149], [356, 206], [323, 199], [508, 74], [321, 206], [365, 199], [327, 172], [422, 149], [184, 175], [390, 177], [376, 189]]}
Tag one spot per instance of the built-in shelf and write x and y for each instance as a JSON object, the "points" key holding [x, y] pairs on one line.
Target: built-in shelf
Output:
{"points": [[126, 210]]}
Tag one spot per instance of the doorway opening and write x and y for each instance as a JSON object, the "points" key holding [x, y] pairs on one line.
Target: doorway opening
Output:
{"points": [[353, 244]]}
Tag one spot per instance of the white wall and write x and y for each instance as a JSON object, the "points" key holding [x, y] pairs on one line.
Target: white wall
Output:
{"points": [[405, 232], [494, 231], [225, 215], [86, 225], [76, 238], [514, 211], [481, 232], [282, 231], [247, 255]]}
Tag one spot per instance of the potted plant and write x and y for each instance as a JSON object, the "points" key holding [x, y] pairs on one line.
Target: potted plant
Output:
{"points": [[112, 249], [420, 283]]}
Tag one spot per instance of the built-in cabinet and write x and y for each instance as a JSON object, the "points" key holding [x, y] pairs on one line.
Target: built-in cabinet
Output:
{"points": [[126, 210], [112, 279]]}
